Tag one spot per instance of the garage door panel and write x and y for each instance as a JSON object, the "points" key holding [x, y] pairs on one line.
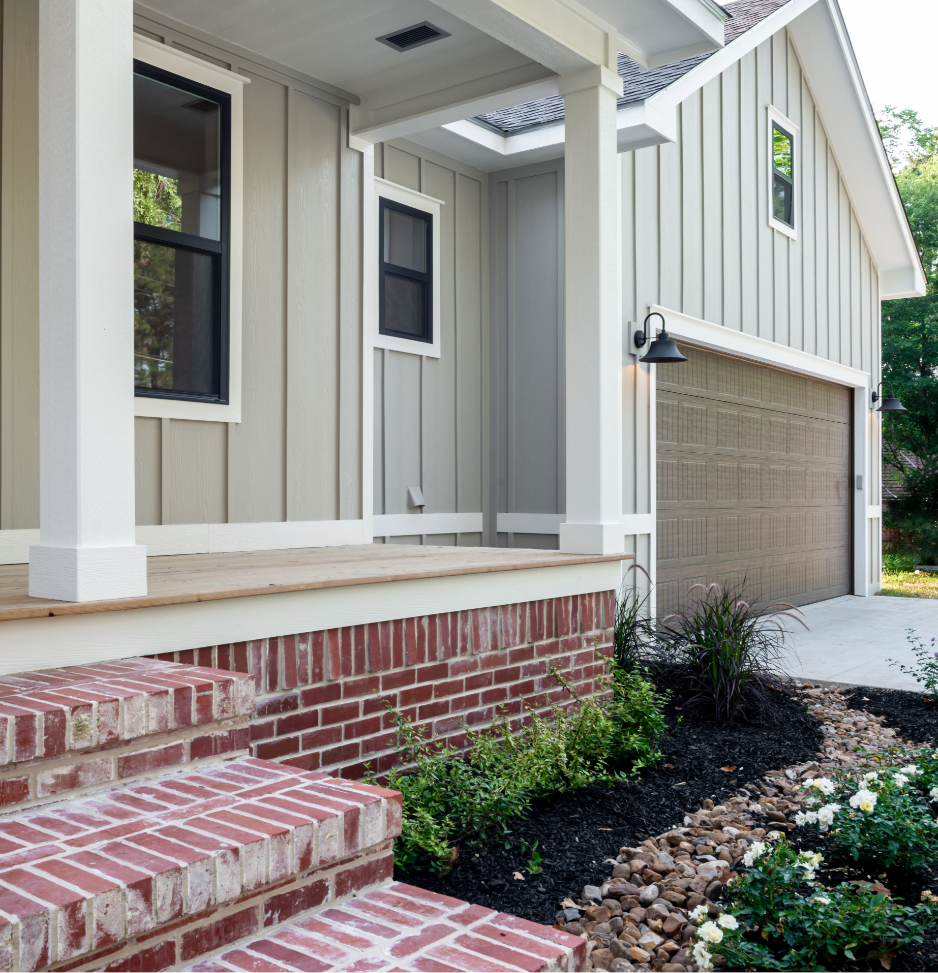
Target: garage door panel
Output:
{"points": [[753, 481]]}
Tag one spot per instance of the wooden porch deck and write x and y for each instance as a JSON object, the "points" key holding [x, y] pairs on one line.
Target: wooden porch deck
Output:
{"points": [[185, 578]]}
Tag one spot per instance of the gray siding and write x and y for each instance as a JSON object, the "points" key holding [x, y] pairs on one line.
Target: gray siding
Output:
{"points": [[696, 239], [527, 357], [296, 454], [430, 414]]}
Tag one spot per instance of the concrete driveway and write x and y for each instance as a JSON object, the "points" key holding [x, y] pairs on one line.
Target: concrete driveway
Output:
{"points": [[849, 639]]}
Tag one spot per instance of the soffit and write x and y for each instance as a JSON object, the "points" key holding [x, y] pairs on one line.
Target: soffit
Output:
{"points": [[334, 41]]}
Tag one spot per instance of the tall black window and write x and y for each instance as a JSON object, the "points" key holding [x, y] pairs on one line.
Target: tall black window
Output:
{"points": [[783, 177], [405, 299], [182, 164]]}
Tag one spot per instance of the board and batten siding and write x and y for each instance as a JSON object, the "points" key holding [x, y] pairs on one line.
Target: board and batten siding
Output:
{"points": [[297, 453], [527, 357], [430, 414]]}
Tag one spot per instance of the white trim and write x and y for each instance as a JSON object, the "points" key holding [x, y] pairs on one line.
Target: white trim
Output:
{"points": [[369, 257], [204, 72], [719, 338], [514, 523], [410, 525], [790, 128], [101, 636], [426, 204], [873, 512]]}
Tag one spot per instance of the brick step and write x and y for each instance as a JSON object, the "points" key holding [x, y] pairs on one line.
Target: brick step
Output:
{"points": [[149, 875], [398, 927], [84, 727]]}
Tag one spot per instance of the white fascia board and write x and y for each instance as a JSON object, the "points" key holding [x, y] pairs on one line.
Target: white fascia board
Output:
{"points": [[439, 105], [819, 36], [413, 525], [517, 523], [716, 337]]}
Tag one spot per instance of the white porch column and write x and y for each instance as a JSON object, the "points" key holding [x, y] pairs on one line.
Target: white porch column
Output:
{"points": [[86, 547], [593, 294]]}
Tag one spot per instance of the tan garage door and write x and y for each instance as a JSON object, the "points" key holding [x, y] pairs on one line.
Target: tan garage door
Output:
{"points": [[753, 475]]}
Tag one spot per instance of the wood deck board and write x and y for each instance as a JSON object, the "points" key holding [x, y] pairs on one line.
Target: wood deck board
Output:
{"points": [[186, 578]]}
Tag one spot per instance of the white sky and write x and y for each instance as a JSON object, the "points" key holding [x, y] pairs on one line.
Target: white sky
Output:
{"points": [[894, 42]]}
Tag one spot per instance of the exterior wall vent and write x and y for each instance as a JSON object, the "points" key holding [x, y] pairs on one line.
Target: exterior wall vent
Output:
{"points": [[411, 37]]}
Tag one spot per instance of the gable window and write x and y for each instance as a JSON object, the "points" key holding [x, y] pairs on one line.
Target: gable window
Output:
{"points": [[406, 284], [782, 181], [181, 230]]}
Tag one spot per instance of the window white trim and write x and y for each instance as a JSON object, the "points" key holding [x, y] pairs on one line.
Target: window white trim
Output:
{"points": [[204, 72], [426, 204], [774, 115]]}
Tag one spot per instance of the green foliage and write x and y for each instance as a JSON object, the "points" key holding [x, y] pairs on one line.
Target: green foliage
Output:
{"points": [[449, 797], [925, 668], [721, 650], [534, 862], [898, 562], [156, 200], [787, 921]]}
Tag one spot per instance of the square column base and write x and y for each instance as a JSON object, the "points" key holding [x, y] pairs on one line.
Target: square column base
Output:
{"points": [[87, 573], [592, 538]]}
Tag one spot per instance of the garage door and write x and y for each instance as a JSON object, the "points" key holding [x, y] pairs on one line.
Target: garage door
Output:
{"points": [[753, 474]]}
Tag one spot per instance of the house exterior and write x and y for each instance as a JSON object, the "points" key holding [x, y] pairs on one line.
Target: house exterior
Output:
{"points": [[386, 286]]}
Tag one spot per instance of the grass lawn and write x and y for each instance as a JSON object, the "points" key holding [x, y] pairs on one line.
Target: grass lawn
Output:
{"points": [[908, 584]]}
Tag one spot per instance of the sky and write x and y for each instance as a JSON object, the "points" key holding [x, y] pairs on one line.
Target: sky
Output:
{"points": [[895, 46]]}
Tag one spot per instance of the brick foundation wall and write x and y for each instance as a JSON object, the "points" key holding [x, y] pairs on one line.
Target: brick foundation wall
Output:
{"points": [[321, 696]]}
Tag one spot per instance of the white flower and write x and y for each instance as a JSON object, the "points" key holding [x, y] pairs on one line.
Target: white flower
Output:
{"points": [[821, 900], [825, 816], [755, 852], [933, 793], [812, 858], [863, 799], [912, 770], [871, 777], [811, 800], [728, 922], [774, 835], [821, 784], [702, 956], [698, 913], [901, 780], [710, 932], [807, 817]]}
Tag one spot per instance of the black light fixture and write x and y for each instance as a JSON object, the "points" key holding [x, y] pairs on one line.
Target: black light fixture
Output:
{"points": [[890, 402], [663, 350]]}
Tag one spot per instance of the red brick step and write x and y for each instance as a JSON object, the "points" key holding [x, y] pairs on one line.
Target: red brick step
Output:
{"points": [[149, 875], [398, 927]]}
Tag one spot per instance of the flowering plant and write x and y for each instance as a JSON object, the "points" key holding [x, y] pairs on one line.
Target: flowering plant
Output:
{"points": [[783, 922], [925, 667], [887, 820]]}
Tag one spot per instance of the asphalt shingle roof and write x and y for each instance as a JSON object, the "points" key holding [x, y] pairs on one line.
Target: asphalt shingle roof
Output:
{"points": [[638, 84]]}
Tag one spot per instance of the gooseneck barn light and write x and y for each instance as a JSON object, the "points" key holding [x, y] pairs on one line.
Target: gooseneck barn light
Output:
{"points": [[663, 350], [889, 402]]}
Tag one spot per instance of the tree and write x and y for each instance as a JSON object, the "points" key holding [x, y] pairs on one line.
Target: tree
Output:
{"points": [[910, 327]]}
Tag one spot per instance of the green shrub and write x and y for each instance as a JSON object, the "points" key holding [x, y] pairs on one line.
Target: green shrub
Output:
{"points": [[925, 668], [878, 817], [449, 797], [785, 920], [895, 562]]}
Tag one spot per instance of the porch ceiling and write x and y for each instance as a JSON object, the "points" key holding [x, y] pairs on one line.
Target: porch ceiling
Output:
{"points": [[187, 578]]}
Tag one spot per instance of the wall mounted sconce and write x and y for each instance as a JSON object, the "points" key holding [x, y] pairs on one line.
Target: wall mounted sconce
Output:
{"points": [[663, 350], [890, 402]]}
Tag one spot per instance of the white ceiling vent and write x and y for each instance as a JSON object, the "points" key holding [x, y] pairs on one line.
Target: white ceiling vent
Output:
{"points": [[411, 37]]}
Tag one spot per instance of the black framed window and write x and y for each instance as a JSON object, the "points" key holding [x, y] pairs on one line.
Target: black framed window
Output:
{"points": [[783, 176], [405, 291], [182, 163]]}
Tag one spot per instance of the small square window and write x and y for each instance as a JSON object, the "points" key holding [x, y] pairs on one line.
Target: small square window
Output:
{"points": [[181, 236], [406, 275], [783, 176]]}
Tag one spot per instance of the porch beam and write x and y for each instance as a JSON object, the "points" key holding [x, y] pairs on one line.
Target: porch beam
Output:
{"points": [[592, 326], [86, 549]]}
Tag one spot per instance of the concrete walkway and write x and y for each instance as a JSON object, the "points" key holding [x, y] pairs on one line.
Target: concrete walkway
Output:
{"points": [[849, 639]]}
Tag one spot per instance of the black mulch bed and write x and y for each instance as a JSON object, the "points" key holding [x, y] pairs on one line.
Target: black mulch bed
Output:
{"points": [[913, 715], [576, 832]]}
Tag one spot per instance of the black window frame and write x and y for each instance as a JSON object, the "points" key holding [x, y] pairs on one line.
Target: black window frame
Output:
{"points": [[395, 271], [219, 250], [779, 176]]}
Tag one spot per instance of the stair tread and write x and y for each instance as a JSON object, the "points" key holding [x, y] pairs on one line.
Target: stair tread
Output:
{"points": [[398, 927], [100, 869]]}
